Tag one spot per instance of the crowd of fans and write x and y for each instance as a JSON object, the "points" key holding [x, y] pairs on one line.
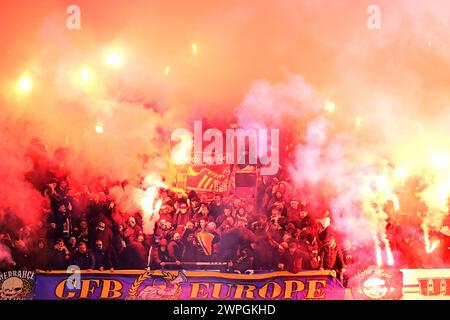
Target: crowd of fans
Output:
{"points": [[81, 229], [229, 233]]}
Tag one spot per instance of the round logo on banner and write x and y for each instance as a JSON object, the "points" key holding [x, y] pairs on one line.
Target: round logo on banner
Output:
{"points": [[376, 283], [16, 285], [167, 287]]}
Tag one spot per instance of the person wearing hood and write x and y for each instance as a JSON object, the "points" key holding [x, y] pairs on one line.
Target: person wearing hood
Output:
{"points": [[132, 230], [195, 205]]}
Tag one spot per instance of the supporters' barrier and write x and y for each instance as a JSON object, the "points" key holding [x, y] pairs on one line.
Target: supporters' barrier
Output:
{"points": [[189, 285]]}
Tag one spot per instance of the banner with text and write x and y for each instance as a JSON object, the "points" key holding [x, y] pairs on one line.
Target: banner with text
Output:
{"points": [[189, 285], [213, 178], [426, 284]]}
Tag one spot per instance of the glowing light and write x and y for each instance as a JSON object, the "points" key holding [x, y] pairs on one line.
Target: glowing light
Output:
{"points": [[382, 182], [114, 59], [99, 128], [401, 173], [390, 256], [378, 251], [358, 121], [158, 205], [167, 70], [330, 106], [439, 161], [429, 247], [148, 200], [149, 208], [24, 84], [396, 203], [85, 73], [194, 48], [434, 246], [181, 152]]}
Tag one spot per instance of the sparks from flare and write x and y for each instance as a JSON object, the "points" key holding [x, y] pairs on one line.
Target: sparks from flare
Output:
{"points": [[378, 251], [181, 153], [429, 247]]}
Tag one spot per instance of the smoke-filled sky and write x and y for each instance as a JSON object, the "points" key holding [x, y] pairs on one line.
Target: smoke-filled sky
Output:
{"points": [[328, 43], [274, 62]]}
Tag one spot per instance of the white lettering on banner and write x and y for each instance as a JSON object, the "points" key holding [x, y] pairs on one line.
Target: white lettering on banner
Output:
{"points": [[243, 146]]}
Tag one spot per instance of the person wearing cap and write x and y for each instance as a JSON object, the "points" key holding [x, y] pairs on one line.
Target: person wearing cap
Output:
{"points": [[182, 215]]}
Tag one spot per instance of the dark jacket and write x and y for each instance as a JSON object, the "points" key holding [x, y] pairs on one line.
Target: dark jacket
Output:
{"points": [[215, 210], [292, 262], [157, 256], [58, 260], [331, 258], [106, 236], [40, 258], [175, 250], [181, 218], [135, 256], [102, 259], [83, 260]]}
